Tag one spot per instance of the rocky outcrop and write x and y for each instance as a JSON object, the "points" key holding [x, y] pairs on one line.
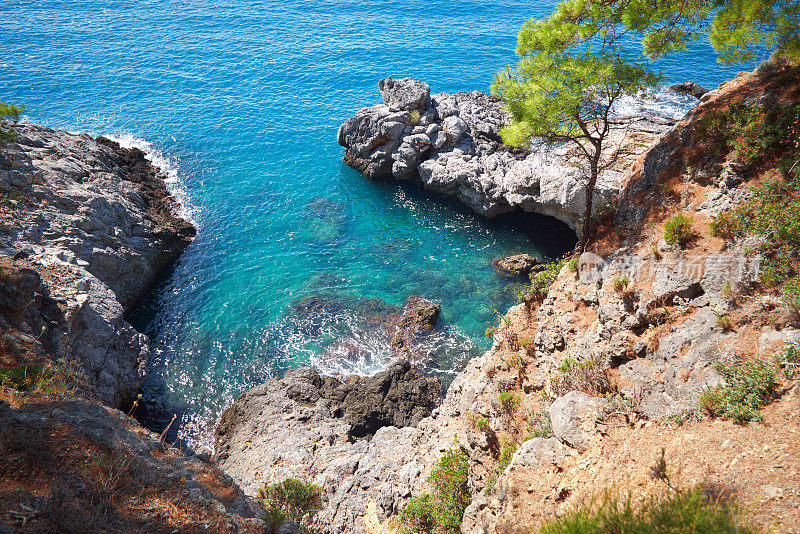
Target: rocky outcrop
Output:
{"points": [[452, 145], [79, 467], [517, 265], [355, 437], [570, 414], [97, 222]]}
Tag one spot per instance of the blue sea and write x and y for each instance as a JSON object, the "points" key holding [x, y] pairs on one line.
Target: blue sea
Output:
{"points": [[240, 102]]}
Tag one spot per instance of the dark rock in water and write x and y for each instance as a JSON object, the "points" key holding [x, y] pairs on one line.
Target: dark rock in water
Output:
{"points": [[418, 318], [419, 314], [514, 266], [689, 88]]}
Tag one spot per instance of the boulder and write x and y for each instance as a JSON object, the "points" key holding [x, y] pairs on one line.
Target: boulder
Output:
{"points": [[536, 452], [405, 94], [689, 88], [573, 417], [677, 281], [515, 266]]}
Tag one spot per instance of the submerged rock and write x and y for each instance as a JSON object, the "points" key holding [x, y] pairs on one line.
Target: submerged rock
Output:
{"points": [[451, 144], [417, 319]]}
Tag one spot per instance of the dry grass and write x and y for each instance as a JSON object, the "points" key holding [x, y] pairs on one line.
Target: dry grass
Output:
{"points": [[55, 479]]}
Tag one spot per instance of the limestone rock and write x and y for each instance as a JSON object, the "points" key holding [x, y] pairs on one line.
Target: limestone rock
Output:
{"points": [[671, 378], [537, 451], [689, 88], [572, 416], [671, 283], [451, 144], [405, 94], [101, 217]]}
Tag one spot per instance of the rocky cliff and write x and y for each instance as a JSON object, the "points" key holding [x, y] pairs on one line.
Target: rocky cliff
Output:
{"points": [[583, 387], [452, 145], [85, 226]]}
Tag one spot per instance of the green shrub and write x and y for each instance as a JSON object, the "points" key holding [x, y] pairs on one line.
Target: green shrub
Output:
{"points": [[751, 133], [515, 361], [292, 499], [764, 137], [490, 331], [541, 282], [572, 264], [603, 213], [790, 360], [581, 375], [748, 387], [571, 364], [724, 322], [694, 511], [482, 423], [724, 226], [621, 283], [9, 111], [440, 511], [507, 451], [540, 425], [678, 230], [791, 295], [510, 401], [55, 381], [28, 378]]}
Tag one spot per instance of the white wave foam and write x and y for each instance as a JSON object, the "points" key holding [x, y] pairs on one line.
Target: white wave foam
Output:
{"points": [[168, 165], [662, 101]]}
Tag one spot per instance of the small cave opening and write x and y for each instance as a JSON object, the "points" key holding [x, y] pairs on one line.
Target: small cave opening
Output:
{"points": [[551, 236]]}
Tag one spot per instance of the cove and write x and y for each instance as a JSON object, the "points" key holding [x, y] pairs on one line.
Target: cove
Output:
{"points": [[241, 102]]}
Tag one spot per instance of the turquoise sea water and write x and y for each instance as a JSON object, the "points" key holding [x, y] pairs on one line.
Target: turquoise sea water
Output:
{"points": [[241, 101]]}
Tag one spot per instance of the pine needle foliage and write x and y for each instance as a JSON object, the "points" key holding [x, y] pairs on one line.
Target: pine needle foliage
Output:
{"points": [[9, 112]]}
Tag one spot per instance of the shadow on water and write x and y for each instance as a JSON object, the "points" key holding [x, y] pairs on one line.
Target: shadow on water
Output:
{"points": [[552, 237]]}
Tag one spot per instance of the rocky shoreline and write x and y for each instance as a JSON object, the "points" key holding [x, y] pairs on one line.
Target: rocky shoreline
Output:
{"points": [[580, 391], [85, 227], [574, 384], [89, 225], [451, 144]]}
